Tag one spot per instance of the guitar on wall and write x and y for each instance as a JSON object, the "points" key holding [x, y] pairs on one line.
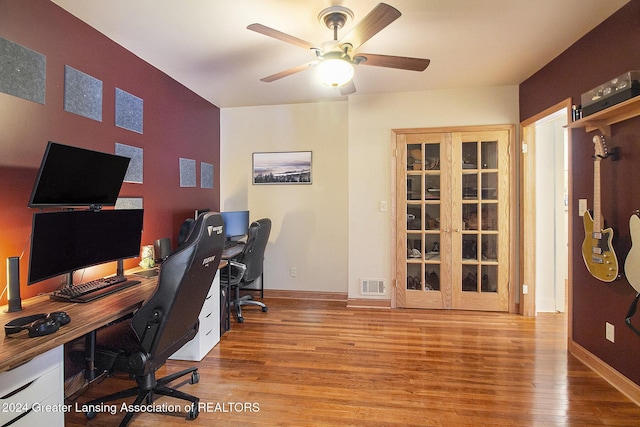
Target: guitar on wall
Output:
{"points": [[632, 267], [597, 250]]}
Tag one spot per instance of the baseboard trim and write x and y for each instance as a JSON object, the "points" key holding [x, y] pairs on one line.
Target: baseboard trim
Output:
{"points": [[308, 295], [613, 377], [368, 303]]}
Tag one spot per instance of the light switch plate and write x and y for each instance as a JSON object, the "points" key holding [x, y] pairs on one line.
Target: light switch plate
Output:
{"points": [[582, 206]]}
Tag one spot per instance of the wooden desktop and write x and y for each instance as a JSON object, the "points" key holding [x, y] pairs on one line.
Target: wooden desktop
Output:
{"points": [[32, 369], [19, 348]]}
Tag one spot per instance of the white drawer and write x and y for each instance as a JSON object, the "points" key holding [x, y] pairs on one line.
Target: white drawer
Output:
{"points": [[209, 331], [50, 413], [34, 382], [210, 305]]}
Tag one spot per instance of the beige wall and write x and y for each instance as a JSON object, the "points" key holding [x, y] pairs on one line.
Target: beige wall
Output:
{"points": [[309, 230], [333, 231]]}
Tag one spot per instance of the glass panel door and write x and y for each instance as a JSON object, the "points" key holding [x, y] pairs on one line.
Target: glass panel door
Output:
{"points": [[452, 220], [425, 181], [478, 281]]}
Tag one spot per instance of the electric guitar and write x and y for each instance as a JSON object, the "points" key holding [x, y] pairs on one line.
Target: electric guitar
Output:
{"points": [[632, 267], [632, 263], [597, 250]]}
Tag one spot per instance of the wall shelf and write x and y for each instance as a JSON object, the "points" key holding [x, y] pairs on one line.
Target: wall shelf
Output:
{"points": [[602, 120]]}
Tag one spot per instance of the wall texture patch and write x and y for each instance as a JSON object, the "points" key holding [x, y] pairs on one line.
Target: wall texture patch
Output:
{"points": [[135, 171], [187, 173], [22, 71], [82, 94], [206, 175], [129, 111]]}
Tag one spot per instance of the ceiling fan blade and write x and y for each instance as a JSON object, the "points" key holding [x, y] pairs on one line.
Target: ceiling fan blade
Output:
{"points": [[259, 28], [288, 72], [401, 62], [347, 89], [381, 16]]}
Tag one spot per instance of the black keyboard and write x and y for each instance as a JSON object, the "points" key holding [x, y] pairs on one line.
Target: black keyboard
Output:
{"points": [[89, 291]]}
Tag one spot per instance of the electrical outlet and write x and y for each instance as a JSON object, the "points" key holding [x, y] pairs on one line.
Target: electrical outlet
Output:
{"points": [[525, 289], [610, 331], [293, 272], [383, 206], [582, 206]]}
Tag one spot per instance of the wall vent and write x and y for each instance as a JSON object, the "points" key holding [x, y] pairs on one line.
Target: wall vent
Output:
{"points": [[372, 286]]}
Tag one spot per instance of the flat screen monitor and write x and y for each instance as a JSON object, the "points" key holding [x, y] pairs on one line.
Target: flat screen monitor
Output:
{"points": [[72, 176], [236, 224], [66, 241], [200, 212]]}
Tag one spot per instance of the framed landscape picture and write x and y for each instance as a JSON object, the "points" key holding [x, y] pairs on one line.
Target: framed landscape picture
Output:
{"points": [[291, 167]]}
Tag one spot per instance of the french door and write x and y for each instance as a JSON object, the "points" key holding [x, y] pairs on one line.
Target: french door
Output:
{"points": [[452, 219]]}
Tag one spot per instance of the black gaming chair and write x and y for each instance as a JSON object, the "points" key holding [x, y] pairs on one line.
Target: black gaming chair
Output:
{"points": [[164, 322], [247, 267]]}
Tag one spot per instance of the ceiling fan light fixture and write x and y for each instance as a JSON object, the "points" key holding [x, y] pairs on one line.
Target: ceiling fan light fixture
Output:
{"points": [[335, 72]]}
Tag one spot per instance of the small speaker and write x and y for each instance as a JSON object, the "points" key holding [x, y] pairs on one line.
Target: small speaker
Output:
{"points": [[13, 284], [162, 248]]}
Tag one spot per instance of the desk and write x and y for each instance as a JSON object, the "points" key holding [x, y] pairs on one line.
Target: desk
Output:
{"points": [[32, 369], [18, 349]]}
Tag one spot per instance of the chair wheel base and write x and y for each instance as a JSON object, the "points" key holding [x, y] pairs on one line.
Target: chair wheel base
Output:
{"points": [[195, 378], [193, 412]]}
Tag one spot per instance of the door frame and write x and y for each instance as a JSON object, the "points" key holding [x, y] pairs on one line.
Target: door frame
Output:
{"points": [[526, 251], [513, 287]]}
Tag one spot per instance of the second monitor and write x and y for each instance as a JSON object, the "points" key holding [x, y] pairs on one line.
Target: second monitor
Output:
{"points": [[236, 224]]}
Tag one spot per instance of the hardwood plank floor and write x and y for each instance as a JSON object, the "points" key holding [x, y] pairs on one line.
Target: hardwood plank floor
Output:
{"points": [[317, 363]]}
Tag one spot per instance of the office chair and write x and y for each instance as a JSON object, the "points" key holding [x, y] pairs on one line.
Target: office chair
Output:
{"points": [[244, 269], [165, 322]]}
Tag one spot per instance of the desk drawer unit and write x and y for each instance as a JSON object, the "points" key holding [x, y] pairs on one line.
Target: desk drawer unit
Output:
{"points": [[33, 393], [209, 333]]}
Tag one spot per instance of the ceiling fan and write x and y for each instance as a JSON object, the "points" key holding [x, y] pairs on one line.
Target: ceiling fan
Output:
{"points": [[344, 53]]}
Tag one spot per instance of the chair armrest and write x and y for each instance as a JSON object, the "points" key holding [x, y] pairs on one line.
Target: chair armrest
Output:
{"points": [[239, 270]]}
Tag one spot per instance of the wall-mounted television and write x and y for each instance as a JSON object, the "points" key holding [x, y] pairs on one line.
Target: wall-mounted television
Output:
{"points": [[73, 176], [65, 241]]}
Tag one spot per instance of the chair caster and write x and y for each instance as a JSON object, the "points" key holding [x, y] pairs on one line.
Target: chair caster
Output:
{"points": [[90, 415], [240, 319], [195, 377], [193, 412], [264, 309]]}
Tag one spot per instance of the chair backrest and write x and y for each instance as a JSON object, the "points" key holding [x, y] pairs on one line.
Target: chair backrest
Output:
{"points": [[169, 318], [185, 230], [253, 253]]}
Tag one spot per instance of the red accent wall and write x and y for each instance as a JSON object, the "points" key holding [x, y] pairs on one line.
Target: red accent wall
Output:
{"points": [[609, 50], [177, 123]]}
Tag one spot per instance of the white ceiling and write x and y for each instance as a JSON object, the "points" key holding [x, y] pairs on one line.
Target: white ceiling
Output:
{"points": [[204, 44]]}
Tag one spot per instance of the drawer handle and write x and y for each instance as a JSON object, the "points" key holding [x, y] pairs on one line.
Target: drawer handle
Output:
{"points": [[19, 417], [18, 390]]}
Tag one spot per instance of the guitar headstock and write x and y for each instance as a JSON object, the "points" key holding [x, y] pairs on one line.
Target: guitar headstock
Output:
{"points": [[600, 147]]}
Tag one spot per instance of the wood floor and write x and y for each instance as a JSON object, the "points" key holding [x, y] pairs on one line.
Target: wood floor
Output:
{"points": [[317, 363]]}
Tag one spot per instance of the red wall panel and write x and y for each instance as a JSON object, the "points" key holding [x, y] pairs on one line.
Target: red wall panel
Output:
{"points": [[606, 52], [177, 123]]}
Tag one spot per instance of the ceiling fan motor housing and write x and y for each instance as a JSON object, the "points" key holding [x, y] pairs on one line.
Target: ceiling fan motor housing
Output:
{"points": [[335, 17]]}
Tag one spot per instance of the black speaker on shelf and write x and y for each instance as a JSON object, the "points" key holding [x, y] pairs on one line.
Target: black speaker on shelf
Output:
{"points": [[162, 248], [13, 284]]}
